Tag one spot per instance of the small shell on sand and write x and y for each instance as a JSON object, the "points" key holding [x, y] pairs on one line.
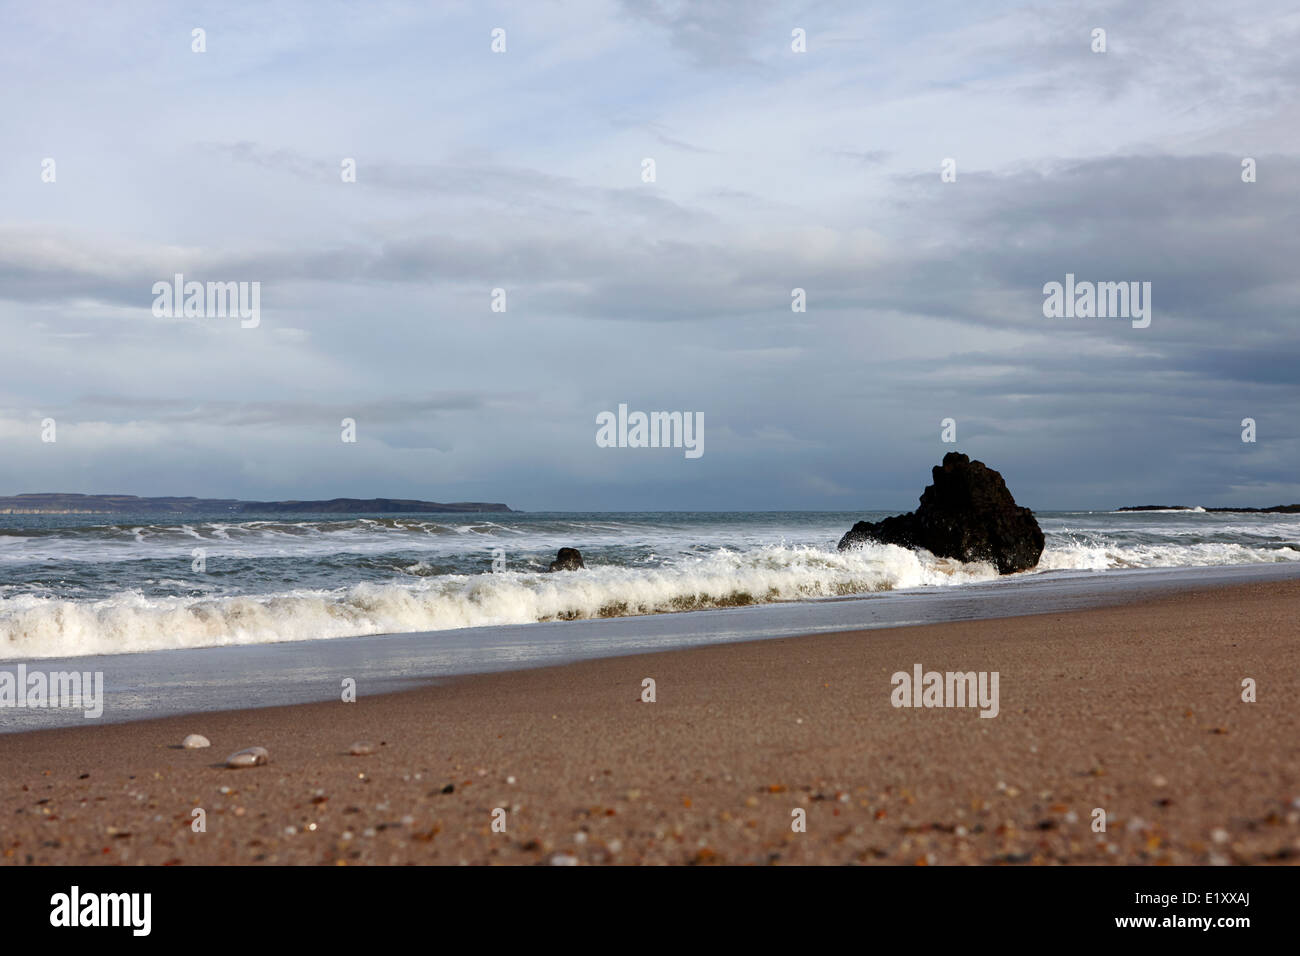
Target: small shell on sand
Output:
{"points": [[195, 742], [361, 749], [251, 757]]}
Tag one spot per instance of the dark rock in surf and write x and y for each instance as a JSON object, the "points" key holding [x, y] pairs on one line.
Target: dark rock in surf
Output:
{"points": [[967, 514], [569, 559]]}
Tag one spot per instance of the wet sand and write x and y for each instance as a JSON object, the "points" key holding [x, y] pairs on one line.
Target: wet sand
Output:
{"points": [[1134, 710]]}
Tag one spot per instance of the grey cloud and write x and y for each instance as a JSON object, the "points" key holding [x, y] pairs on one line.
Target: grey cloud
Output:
{"points": [[1214, 248], [279, 413], [712, 35], [924, 298]]}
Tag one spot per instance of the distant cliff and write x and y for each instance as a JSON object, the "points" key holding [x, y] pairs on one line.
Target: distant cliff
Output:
{"points": [[62, 504]]}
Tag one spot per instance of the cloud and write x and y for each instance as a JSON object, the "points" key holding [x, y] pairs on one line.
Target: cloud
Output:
{"points": [[713, 35], [776, 171]]}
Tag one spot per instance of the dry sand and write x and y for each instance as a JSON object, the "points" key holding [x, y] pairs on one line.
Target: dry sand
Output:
{"points": [[1136, 710]]}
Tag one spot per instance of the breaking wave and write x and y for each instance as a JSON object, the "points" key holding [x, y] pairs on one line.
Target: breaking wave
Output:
{"points": [[40, 626], [357, 585]]}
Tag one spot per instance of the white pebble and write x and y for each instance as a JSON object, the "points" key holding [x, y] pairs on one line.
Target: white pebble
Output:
{"points": [[361, 749], [196, 742], [250, 757], [563, 859]]}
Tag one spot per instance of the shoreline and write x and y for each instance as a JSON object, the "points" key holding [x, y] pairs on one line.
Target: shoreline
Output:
{"points": [[157, 683], [1134, 709]]}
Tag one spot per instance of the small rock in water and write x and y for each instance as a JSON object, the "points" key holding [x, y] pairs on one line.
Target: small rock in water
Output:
{"points": [[251, 757], [195, 742], [568, 559], [361, 749]]}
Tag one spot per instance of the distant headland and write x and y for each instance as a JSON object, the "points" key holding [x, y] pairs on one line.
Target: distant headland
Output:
{"points": [[68, 504], [1276, 509]]}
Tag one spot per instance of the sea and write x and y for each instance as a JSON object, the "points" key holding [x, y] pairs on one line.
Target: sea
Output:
{"points": [[201, 612]]}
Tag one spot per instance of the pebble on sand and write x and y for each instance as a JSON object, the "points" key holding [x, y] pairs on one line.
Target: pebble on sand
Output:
{"points": [[195, 742], [361, 749], [251, 757]]}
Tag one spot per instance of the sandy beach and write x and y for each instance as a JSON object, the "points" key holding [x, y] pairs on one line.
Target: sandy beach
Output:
{"points": [[1134, 710]]}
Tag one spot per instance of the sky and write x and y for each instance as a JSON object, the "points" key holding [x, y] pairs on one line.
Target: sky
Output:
{"points": [[775, 169]]}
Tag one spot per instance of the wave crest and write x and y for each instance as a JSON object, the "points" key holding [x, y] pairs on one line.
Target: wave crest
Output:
{"points": [[425, 599], [37, 626]]}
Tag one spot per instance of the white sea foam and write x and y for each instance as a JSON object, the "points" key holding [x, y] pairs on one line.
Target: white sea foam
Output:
{"points": [[1073, 555], [52, 621], [38, 626]]}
